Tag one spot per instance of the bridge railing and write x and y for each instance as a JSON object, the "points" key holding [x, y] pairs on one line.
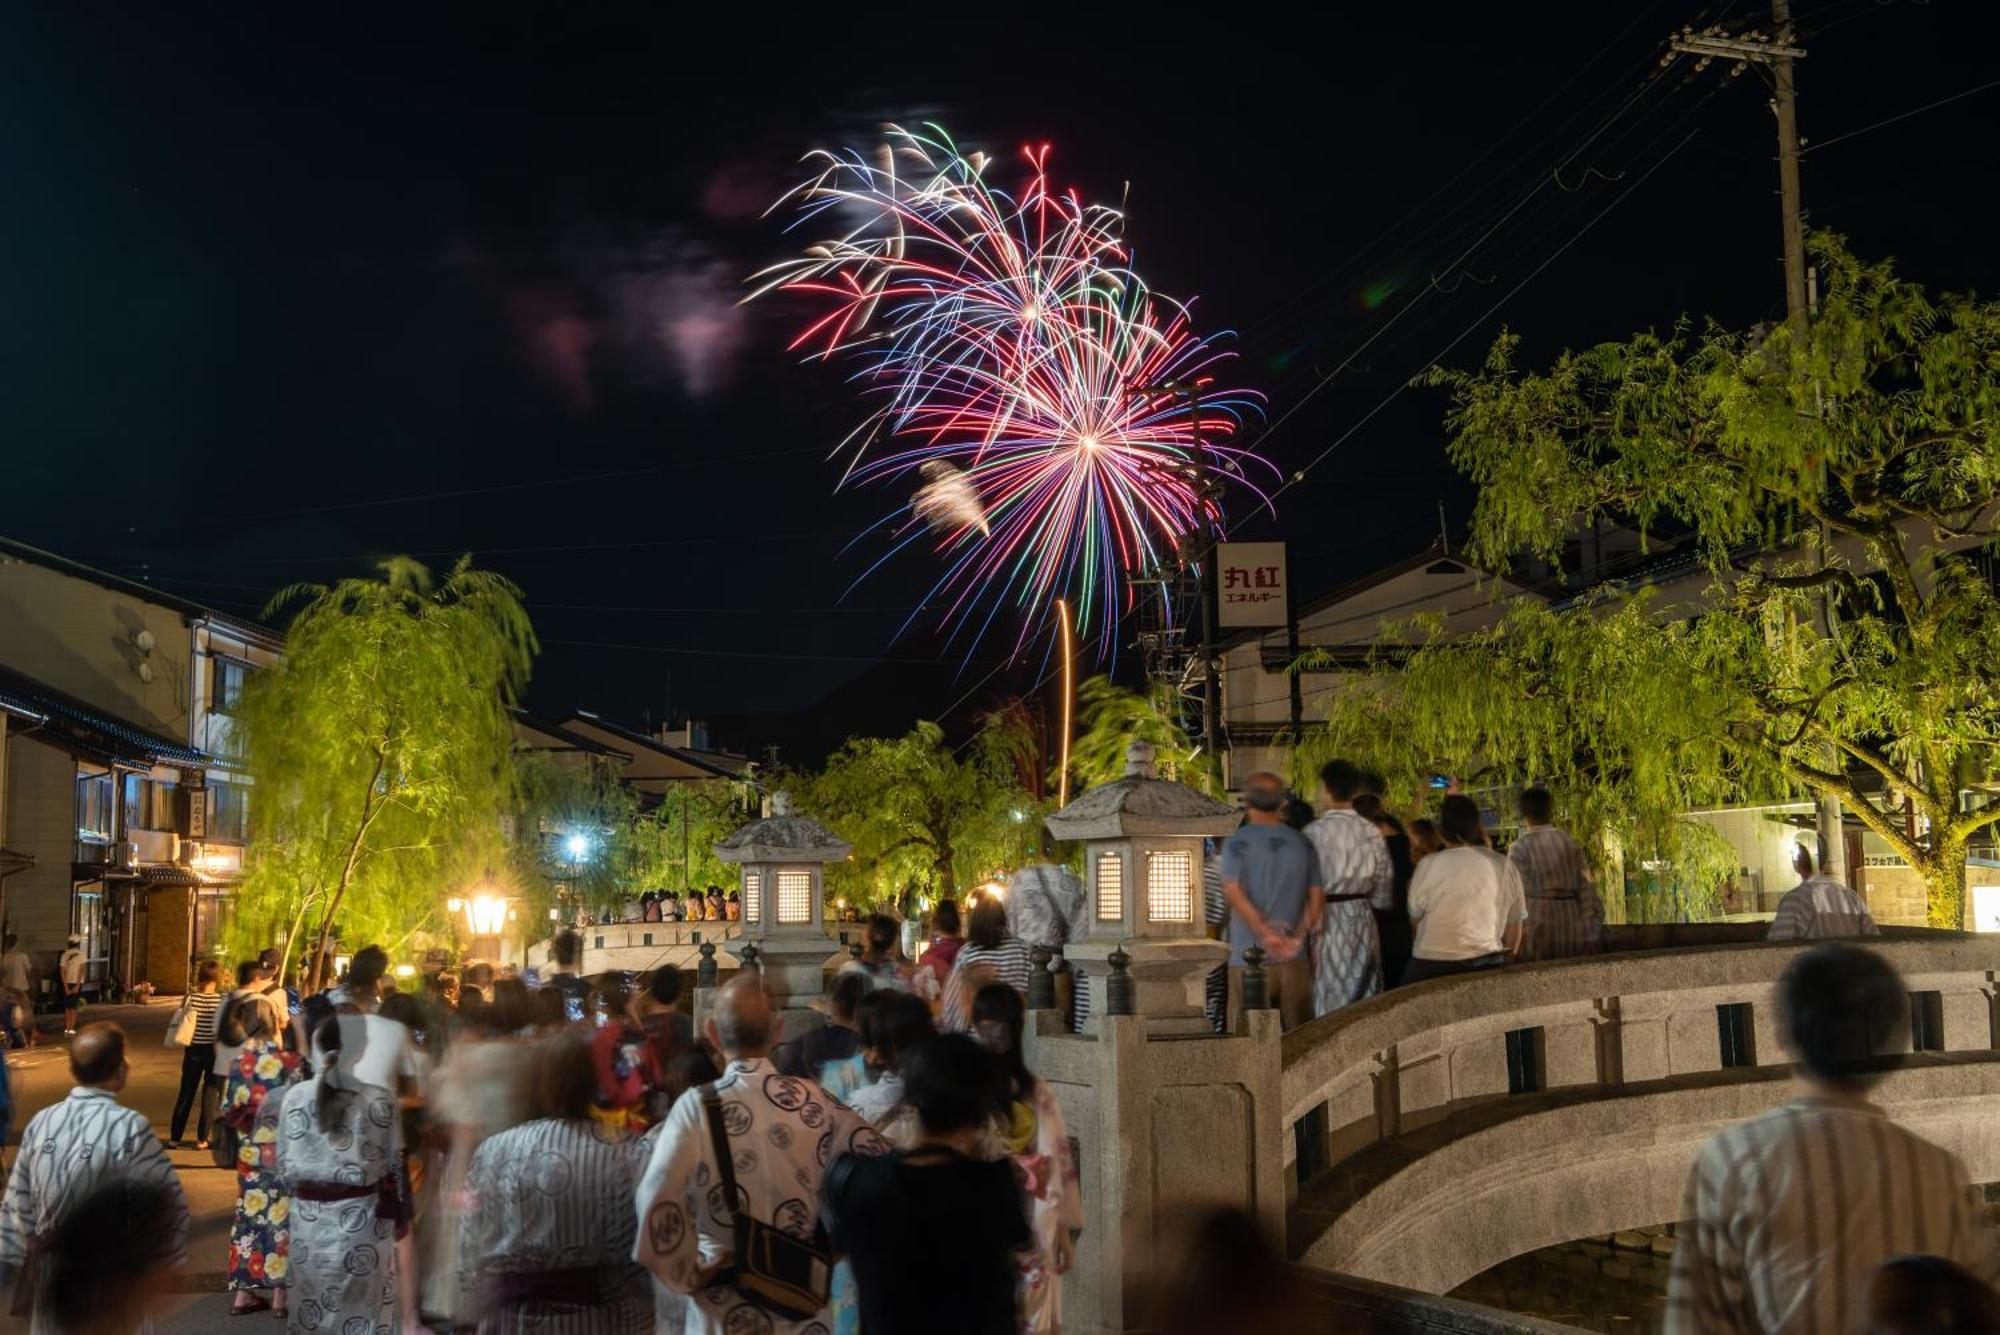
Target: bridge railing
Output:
{"points": [[1413, 1056]]}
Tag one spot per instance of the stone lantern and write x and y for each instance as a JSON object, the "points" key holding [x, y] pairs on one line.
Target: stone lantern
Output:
{"points": [[1142, 839], [783, 857]]}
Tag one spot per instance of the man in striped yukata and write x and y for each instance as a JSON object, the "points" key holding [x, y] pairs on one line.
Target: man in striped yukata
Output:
{"points": [[73, 1149], [1819, 907], [1354, 863], [1565, 916], [1789, 1214]]}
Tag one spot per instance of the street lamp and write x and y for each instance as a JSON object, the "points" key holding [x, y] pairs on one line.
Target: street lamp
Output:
{"points": [[578, 847]]}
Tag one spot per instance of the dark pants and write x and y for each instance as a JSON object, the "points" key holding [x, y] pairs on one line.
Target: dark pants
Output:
{"points": [[1420, 969], [197, 1077]]}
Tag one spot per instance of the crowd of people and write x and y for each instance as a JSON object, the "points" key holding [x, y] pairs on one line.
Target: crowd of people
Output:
{"points": [[1351, 900], [568, 1155]]}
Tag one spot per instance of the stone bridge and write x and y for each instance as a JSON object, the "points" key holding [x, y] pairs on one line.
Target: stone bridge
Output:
{"points": [[1460, 1122]]}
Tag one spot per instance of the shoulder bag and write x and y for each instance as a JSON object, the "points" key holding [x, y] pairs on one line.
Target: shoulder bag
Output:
{"points": [[180, 1030], [786, 1276]]}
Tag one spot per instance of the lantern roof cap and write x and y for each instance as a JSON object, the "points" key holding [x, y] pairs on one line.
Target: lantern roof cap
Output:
{"points": [[1140, 804], [783, 836]]}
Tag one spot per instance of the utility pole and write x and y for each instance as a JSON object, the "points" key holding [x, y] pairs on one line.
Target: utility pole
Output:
{"points": [[1204, 555], [1778, 54]]}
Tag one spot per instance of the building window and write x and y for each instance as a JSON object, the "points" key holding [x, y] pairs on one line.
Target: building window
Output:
{"points": [[87, 921], [1110, 887], [230, 674], [229, 813], [1736, 1034], [93, 807], [753, 899], [795, 890], [1927, 1022], [1170, 886], [149, 803]]}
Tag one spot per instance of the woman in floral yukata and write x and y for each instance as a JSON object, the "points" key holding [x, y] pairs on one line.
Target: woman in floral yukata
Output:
{"points": [[1030, 1133], [260, 1238]]}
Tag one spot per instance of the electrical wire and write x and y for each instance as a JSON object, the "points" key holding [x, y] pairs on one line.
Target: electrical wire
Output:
{"points": [[711, 461], [1490, 311], [1899, 116]]}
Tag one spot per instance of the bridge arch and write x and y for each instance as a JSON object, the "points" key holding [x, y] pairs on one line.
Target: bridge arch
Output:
{"points": [[1460, 1122]]}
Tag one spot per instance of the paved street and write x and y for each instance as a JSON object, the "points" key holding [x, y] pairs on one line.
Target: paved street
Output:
{"points": [[40, 1077]]}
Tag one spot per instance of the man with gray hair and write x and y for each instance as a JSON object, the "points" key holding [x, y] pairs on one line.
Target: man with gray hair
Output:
{"points": [[781, 1131], [1271, 878]]}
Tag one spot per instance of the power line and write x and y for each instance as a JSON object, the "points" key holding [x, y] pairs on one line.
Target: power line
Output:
{"points": [[755, 653], [1488, 314], [414, 498], [1901, 116]]}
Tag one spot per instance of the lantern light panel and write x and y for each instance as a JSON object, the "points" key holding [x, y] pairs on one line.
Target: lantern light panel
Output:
{"points": [[1170, 886], [1110, 887], [795, 896]]}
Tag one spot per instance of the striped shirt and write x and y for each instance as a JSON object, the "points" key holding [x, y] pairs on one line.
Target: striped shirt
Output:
{"points": [[1819, 907], [552, 1196], [1008, 962], [1790, 1213], [1565, 916], [204, 1005]]}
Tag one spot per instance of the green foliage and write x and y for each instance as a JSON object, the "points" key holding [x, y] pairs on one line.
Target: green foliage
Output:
{"points": [[632, 845], [1870, 650], [381, 748], [921, 814], [1611, 711], [1110, 718]]}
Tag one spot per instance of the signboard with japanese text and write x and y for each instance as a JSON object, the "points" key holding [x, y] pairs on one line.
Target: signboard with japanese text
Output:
{"points": [[1250, 585]]}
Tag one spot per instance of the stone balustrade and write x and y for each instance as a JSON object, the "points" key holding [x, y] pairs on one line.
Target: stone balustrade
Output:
{"points": [[1580, 1087]]}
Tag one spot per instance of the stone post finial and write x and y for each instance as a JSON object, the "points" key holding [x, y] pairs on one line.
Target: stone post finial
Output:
{"points": [[1118, 990], [704, 972], [1256, 989], [1041, 983], [746, 954], [1139, 760], [781, 803]]}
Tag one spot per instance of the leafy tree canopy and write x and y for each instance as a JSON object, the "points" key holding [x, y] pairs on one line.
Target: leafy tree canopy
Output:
{"points": [[1840, 495], [1111, 717], [381, 749], [921, 814]]}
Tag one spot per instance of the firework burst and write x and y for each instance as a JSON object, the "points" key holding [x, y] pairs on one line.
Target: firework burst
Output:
{"points": [[1059, 414]]}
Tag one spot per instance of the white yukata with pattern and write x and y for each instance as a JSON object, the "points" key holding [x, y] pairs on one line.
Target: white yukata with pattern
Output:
{"points": [[68, 1151], [783, 1132], [1353, 860], [343, 1261]]}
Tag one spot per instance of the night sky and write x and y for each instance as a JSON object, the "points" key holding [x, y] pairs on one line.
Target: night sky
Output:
{"points": [[285, 289]]}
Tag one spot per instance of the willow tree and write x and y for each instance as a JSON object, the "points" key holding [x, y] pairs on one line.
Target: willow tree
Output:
{"points": [[624, 844], [381, 749], [1614, 712], [1840, 494], [921, 813], [1111, 717]]}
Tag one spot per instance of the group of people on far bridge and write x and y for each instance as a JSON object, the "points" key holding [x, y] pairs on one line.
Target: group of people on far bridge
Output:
{"points": [[1348, 901], [1352, 900]]}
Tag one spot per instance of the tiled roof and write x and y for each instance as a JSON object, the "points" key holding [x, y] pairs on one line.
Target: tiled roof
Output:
{"points": [[699, 760], [91, 730]]}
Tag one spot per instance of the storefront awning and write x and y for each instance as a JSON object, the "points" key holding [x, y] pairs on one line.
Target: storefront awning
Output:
{"points": [[169, 874]]}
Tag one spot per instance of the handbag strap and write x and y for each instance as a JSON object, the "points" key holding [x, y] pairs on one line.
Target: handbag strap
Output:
{"points": [[718, 1135]]}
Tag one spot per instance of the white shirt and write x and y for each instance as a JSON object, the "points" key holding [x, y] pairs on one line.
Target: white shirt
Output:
{"points": [[388, 1057], [16, 966], [70, 966], [1463, 900]]}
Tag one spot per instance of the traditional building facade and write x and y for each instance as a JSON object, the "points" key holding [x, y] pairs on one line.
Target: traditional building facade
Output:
{"points": [[125, 807]]}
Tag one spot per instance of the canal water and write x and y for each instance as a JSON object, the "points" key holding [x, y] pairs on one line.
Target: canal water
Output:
{"points": [[1616, 1284]]}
